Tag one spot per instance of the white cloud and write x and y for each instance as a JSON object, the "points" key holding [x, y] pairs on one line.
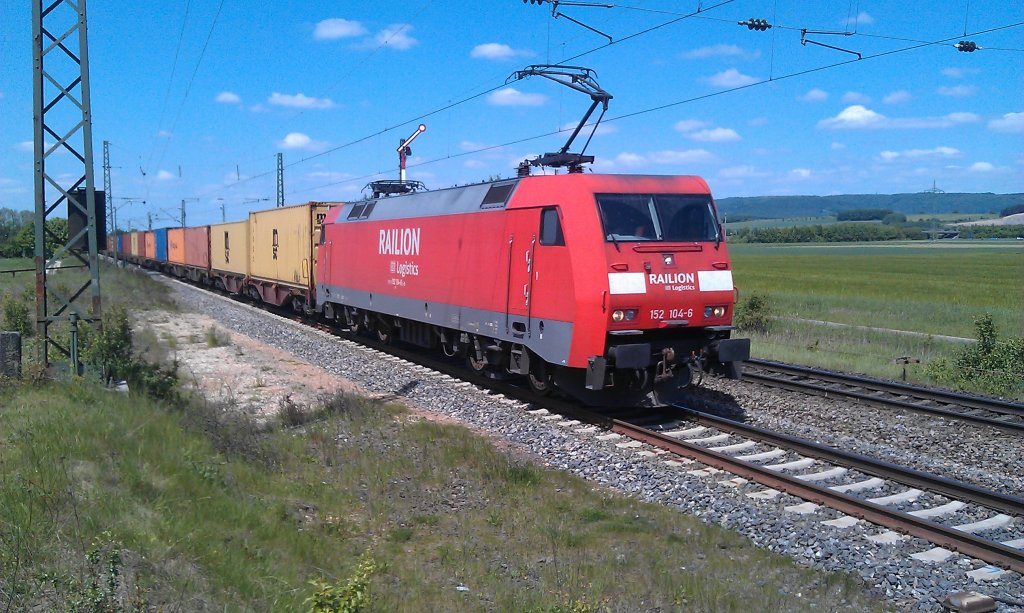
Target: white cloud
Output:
{"points": [[855, 98], [730, 78], [898, 97], [720, 51], [227, 98], [27, 145], [981, 167], [396, 36], [860, 117], [863, 18], [940, 152], [837, 146], [814, 95], [165, 175], [300, 100], [957, 91], [666, 157], [715, 135], [688, 125], [300, 141], [332, 29], [963, 117], [855, 116], [496, 51], [800, 173], [1010, 123], [513, 97], [958, 73], [742, 172]]}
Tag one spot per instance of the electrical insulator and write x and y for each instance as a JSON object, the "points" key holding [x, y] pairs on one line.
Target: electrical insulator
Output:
{"points": [[538, 2], [966, 46], [756, 24]]}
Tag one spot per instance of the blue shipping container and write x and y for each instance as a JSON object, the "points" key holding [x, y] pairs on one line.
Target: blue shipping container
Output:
{"points": [[161, 244], [124, 244]]}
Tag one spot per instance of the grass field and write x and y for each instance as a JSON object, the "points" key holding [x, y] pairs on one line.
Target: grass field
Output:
{"points": [[107, 498], [936, 288]]}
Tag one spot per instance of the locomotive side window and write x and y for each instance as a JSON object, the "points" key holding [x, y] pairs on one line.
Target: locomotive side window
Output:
{"points": [[356, 211], [551, 228], [657, 217]]}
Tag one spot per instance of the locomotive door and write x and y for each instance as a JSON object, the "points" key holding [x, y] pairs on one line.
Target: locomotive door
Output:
{"points": [[521, 245]]}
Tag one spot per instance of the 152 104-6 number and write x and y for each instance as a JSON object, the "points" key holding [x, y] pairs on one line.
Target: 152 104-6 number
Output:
{"points": [[659, 314]]}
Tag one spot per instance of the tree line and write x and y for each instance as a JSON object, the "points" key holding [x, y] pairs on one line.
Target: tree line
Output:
{"points": [[18, 234], [861, 232]]}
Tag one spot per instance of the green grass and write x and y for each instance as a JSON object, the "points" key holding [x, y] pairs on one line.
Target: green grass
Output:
{"points": [[934, 288], [208, 514]]}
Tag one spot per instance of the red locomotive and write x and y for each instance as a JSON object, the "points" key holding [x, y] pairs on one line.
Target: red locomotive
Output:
{"points": [[613, 288]]}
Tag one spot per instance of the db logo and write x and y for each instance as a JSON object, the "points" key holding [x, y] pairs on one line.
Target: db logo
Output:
{"points": [[393, 268]]}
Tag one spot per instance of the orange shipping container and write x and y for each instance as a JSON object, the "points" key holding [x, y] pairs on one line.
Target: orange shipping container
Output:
{"points": [[150, 246], [282, 243], [176, 245], [197, 247], [229, 247]]}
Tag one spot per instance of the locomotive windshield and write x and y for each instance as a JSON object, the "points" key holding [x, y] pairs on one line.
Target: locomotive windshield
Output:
{"points": [[657, 217]]}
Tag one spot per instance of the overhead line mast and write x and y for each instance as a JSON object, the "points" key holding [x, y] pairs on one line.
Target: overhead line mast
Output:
{"points": [[62, 111]]}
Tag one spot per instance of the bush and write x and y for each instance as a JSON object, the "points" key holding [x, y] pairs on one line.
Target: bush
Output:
{"points": [[989, 366], [16, 316], [894, 219], [352, 597], [754, 315]]}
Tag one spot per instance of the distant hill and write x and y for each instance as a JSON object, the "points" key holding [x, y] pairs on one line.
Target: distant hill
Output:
{"points": [[911, 204]]}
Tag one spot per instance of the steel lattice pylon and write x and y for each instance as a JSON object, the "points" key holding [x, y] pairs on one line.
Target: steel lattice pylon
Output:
{"points": [[61, 111]]}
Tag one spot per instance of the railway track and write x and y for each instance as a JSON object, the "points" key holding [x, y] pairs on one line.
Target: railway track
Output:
{"points": [[993, 412], [850, 483], [901, 500]]}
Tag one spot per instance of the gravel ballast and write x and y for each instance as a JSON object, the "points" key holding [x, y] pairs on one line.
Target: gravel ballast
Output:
{"points": [[979, 455]]}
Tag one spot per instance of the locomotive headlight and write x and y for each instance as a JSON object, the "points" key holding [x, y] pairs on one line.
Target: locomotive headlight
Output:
{"points": [[618, 316], [718, 311]]}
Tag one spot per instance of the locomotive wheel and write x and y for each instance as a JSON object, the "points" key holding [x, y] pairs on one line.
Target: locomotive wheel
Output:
{"points": [[384, 334], [477, 366], [540, 379]]}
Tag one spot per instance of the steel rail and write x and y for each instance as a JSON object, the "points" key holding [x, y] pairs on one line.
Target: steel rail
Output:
{"points": [[944, 536], [970, 402], [1005, 503]]}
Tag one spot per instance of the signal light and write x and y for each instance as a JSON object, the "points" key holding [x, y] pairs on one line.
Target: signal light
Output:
{"points": [[756, 24], [967, 46]]}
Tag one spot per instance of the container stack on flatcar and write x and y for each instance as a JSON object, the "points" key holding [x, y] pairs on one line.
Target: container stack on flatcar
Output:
{"points": [[282, 254], [229, 255]]}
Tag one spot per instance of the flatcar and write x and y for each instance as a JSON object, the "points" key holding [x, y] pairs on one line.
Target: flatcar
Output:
{"points": [[612, 288]]}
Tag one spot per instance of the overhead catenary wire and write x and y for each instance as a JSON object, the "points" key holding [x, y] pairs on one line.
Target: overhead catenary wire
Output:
{"points": [[673, 104]]}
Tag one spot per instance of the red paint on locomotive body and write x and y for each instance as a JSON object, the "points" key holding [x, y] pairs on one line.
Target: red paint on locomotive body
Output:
{"points": [[597, 273]]}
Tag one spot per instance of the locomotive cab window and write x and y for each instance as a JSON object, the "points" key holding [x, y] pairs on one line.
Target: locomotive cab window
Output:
{"points": [[657, 217], [551, 228]]}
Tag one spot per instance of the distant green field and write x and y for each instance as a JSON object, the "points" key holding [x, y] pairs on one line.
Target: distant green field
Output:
{"points": [[935, 288]]}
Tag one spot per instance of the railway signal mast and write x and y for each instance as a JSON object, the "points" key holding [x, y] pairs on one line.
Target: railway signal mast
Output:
{"points": [[582, 80], [390, 187]]}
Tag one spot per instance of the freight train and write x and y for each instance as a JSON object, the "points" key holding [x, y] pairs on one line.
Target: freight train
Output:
{"points": [[615, 289]]}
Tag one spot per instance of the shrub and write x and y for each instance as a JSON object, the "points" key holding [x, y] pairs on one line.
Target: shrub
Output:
{"points": [[16, 316], [990, 366], [352, 597], [754, 315]]}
